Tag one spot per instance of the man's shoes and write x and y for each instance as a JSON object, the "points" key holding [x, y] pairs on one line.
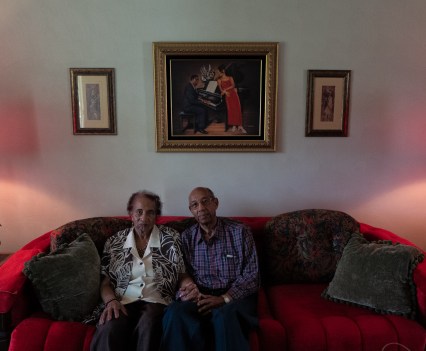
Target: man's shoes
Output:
{"points": [[203, 131]]}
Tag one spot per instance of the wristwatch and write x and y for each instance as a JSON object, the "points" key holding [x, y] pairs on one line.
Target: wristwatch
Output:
{"points": [[226, 298]]}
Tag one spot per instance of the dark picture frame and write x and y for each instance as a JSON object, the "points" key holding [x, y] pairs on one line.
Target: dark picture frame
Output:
{"points": [[253, 69], [93, 100], [327, 103]]}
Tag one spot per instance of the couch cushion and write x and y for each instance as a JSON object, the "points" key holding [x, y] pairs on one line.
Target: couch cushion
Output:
{"points": [[314, 323], [305, 246], [376, 275], [98, 228], [42, 334], [67, 280]]}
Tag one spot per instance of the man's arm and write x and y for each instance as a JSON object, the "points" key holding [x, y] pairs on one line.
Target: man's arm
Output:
{"points": [[190, 95], [248, 282]]}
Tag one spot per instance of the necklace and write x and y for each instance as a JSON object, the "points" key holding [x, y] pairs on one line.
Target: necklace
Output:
{"points": [[141, 251], [142, 241]]}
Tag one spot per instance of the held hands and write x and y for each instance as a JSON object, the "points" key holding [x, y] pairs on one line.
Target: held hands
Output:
{"points": [[112, 310], [207, 302], [189, 292]]}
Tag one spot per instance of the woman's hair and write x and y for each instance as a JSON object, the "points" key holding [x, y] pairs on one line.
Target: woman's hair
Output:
{"points": [[222, 68], [149, 195]]}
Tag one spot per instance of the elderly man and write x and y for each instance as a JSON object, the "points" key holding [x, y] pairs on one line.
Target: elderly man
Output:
{"points": [[221, 259]]}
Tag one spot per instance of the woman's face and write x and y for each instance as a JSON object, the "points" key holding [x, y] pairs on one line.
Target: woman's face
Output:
{"points": [[143, 215]]}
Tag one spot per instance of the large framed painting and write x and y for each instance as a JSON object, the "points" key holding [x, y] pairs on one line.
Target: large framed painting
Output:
{"points": [[327, 103], [93, 100], [215, 96]]}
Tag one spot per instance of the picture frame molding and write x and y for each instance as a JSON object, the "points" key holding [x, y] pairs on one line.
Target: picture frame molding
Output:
{"points": [[100, 116], [316, 125], [162, 51]]}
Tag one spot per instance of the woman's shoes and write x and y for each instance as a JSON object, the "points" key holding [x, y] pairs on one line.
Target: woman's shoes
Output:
{"points": [[239, 129]]}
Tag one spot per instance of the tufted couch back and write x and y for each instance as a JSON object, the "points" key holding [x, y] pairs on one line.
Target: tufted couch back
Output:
{"points": [[98, 228], [296, 247], [304, 246]]}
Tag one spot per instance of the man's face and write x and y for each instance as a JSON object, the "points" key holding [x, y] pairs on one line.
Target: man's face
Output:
{"points": [[195, 81], [203, 206], [143, 215]]}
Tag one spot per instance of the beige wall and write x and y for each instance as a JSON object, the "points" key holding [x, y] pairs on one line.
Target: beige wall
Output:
{"points": [[48, 176]]}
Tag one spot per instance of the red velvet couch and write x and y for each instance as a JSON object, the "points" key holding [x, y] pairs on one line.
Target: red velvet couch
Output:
{"points": [[292, 316]]}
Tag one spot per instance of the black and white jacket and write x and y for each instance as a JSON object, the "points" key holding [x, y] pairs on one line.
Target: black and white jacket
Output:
{"points": [[167, 262]]}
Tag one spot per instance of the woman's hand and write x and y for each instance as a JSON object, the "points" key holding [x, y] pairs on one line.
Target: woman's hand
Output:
{"points": [[189, 292], [112, 310]]}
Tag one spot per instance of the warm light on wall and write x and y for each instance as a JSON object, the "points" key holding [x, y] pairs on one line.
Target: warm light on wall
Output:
{"points": [[401, 210], [18, 132], [27, 212]]}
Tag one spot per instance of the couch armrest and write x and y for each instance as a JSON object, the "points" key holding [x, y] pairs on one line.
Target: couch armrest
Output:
{"points": [[420, 282], [12, 279], [272, 335], [373, 233], [12, 282]]}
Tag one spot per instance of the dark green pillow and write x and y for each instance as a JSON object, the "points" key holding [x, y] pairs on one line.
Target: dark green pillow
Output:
{"points": [[376, 275], [67, 280]]}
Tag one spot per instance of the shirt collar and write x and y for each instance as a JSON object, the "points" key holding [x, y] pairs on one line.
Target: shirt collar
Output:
{"points": [[216, 235], [154, 239]]}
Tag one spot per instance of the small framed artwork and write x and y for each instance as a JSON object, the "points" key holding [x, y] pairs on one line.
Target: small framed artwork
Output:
{"points": [[327, 110], [93, 100], [215, 96]]}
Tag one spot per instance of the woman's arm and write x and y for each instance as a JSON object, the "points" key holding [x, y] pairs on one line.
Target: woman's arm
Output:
{"points": [[112, 305]]}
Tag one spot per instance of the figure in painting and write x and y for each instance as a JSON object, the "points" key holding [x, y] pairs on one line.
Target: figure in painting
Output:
{"points": [[191, 104], [327, 108], [93, 102], [228, 89]]}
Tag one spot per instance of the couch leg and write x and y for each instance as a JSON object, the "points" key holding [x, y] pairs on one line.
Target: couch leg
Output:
{"points": [[4, 331]]}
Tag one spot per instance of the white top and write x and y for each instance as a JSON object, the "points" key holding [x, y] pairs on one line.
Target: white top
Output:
{"points": [[141, 284]]}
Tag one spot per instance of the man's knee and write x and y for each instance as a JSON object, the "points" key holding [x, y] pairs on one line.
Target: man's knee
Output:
{"points": [[180, 307]]}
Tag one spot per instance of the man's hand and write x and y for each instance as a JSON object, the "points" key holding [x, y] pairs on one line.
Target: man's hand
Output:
{"points": [[207, 302], [112, 310], [189, 292]]}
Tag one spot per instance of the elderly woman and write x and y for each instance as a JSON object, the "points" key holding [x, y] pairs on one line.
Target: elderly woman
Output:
{"points": [[141, 268]]}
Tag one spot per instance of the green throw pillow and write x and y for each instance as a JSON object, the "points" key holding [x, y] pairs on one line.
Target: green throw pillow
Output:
{"points": [[67, 280], [376, 275]]}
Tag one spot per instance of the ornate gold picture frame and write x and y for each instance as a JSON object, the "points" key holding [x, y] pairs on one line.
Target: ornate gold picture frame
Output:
{"points": [[215, 96], [93, 100]]}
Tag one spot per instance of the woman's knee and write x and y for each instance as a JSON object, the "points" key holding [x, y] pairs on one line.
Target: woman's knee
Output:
{"points": [[115, 325]]}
